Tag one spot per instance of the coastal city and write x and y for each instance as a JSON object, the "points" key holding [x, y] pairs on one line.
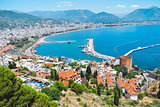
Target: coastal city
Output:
{"points": [[36, 71], [30, 79]]}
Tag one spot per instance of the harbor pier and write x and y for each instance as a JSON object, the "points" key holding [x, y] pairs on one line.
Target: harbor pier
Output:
{"points": [[89, 50], [140, 48]]}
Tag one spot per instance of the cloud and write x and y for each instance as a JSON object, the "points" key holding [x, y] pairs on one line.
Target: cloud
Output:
{"points": [[70, 5], [58, 5], [120, 6], [66, 2], [134, 6]]}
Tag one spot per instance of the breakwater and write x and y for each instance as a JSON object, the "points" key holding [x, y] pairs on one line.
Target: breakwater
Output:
{"points": [[140, 48], [89, 50]]}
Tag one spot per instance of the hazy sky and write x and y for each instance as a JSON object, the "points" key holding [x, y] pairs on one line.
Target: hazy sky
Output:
{"points": [[111, 6]]}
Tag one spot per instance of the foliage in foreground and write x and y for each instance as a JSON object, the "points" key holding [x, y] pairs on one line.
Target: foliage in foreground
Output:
{"points": [[77, 88], [14, 94]]}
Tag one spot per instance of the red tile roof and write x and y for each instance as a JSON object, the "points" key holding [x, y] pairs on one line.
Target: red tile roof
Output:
{"points": [[18, 73], [68, 74]]}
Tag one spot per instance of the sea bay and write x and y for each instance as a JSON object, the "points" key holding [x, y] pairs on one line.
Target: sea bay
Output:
{"points": [[113, 41]]}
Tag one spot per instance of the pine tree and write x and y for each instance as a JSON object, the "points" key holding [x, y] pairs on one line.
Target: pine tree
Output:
{"points": [[82, 75], [52, 74], [57, 76], [70, 83], [158, 94], [88, 70], [95, 74], [116, 97], [98, 90], [87, 77]]}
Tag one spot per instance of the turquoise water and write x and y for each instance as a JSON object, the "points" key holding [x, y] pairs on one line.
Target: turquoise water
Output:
{"points": [[113, 41]]}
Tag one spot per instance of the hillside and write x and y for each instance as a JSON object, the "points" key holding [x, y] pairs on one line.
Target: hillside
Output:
{"points": [[153, 88], [103, 17], [78, 16], [140, 15], [10, 19], [69, 15]]}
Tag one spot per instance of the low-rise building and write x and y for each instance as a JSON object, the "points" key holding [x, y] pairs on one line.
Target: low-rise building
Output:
{"points": [[66, 75], [130, 88]]}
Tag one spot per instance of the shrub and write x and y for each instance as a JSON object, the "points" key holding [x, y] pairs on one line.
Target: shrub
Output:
{"points": [[81, 103], [77, 88], [109, 92], [94, 99], [156, 102], [140, 95], [85, 105], [59, 85], [145, 93], [70, 83], [78, 99], [133, 103], [93, 81], [52, 92]]}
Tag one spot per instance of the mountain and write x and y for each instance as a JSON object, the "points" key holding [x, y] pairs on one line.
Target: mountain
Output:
{"points": [[69, 15], [103, 17], [78, 16], [10, 19], [140, 15]]}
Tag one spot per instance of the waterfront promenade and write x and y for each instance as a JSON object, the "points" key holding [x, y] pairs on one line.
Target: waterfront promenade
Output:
{"points": [[140, 48], [89, 50]]}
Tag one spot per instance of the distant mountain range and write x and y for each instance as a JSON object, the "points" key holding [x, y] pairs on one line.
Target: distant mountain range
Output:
{"points": [[139, 15], [12, 19], [78, 16]]}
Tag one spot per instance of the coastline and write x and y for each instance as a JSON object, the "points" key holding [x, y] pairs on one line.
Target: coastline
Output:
{"points": [[42, 39]]}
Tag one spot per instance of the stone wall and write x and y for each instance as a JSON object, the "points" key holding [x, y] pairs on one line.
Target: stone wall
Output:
{"points": [[153, 75]]}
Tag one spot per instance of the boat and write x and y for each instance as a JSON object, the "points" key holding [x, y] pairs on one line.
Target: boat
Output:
{"points": [[81, 46]]}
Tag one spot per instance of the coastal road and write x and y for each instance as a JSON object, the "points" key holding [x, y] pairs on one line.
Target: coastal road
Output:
{"points": [[148, 80]]}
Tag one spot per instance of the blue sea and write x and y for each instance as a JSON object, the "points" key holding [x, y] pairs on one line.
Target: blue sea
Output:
{"points": [[113, 41]]}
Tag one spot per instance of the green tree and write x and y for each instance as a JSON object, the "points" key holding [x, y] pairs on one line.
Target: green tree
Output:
{"points": [[82, 75], [158, 94], [116, 98], [98, 90], [52, 74], [119, 91], [56, 75], [109, 92], [14, 94], [52, 92], [140, 95], [95, 74], [12, 65], [88, 70], [70, 82], [41, 100], [87, 76], [59, 85], [24, 96], [93, 81], [77, 88], [32, 73]]}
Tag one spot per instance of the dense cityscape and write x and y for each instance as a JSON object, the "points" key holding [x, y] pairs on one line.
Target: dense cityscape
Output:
{"points": [[31, 80]]}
